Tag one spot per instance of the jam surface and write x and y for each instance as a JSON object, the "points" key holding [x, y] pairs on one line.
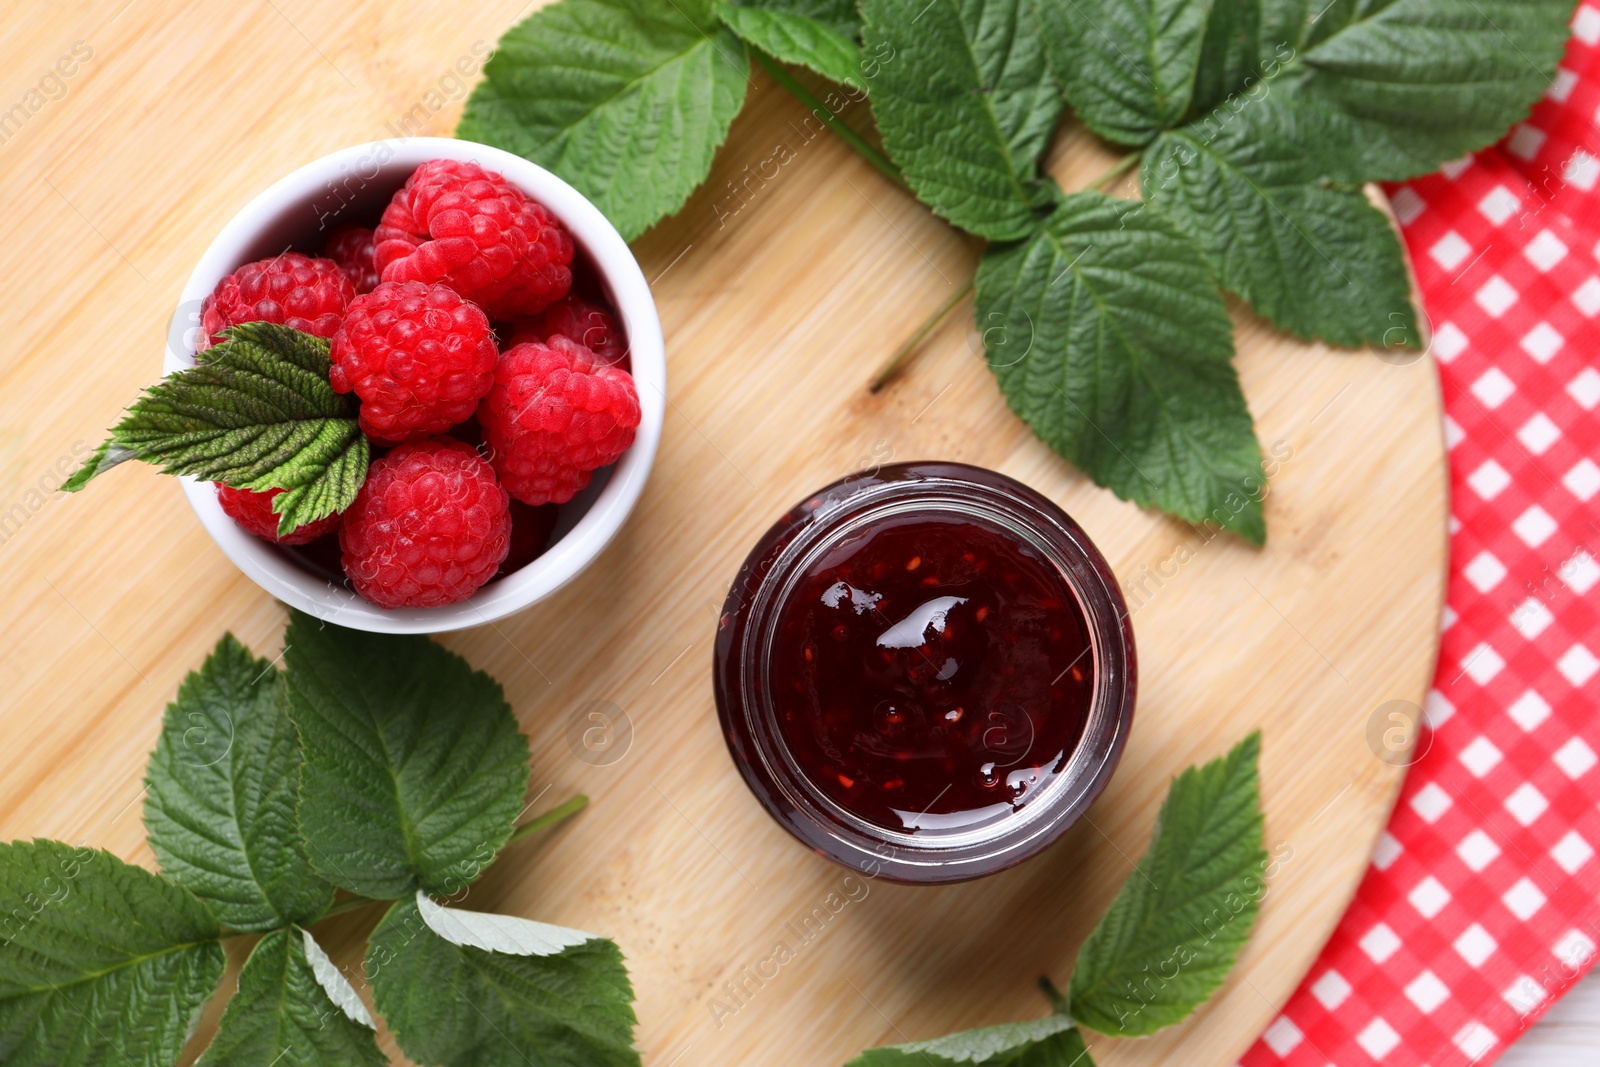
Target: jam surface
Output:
{"points": [[931, 672]]}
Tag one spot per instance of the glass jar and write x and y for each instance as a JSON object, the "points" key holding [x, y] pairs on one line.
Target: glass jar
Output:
{"points": [[926, 672]]}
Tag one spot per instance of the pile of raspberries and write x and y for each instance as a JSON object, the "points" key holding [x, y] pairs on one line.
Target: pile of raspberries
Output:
{"points": [[467, 434]]}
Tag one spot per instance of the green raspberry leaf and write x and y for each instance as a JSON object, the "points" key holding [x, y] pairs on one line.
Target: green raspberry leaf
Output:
{"points": [[284, 1016], [840, 17], [1127, 66], [1109, 338], [451, 1001], [1389, 89], [1320, 261], [819, 34], [100, 962], [1049, 1042], [414, 768], [1284, 24], [1230, 52], [220, 795], [256, 413], [966, 105], [1186, 910], [626, 99]]}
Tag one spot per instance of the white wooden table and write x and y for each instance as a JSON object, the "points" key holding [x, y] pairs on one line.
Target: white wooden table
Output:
{"points": [[1567, 1037]]}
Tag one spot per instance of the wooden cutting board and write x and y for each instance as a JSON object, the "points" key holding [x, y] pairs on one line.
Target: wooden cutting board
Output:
{"points": [[778, 305]]}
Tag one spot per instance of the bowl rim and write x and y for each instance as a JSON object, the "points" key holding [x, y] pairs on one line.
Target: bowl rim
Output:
{"points": [[264, 564]]}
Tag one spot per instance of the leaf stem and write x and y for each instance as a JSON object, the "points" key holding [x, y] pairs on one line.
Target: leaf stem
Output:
{"points": [[1117, 170], [850, 137], [1058, 999], [892, 367], [549, 818]]}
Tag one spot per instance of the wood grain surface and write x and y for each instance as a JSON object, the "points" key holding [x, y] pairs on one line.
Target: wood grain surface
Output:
{"points": [[777, 307]]}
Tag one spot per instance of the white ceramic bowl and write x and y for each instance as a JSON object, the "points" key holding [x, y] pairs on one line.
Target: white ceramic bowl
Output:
{"points": [[354, 184]]}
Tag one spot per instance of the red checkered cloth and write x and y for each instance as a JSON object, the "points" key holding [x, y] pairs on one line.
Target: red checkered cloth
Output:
{"points": [[1482, 905]]}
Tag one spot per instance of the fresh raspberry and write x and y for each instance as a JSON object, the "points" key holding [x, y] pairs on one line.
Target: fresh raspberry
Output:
{"points": [[554, 416], [591, 325], [253, 511], [468, 227], [428, 528], [352, 247], [418, 356], [292, 289]]}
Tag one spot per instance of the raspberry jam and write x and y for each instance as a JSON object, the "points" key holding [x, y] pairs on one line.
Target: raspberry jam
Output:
{"points": [[931, 671], [925, 673]]}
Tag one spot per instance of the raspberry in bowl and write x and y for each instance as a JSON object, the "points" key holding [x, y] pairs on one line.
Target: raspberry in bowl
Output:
{"points": [[416, 342]]}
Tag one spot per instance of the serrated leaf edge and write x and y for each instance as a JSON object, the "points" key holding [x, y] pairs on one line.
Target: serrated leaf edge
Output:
{"points": [[781, 17], [507, 934], [1248, 751], [338, 480], [334, 983], [1031, 193]]}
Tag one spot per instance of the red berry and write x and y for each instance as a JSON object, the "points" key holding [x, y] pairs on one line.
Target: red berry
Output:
{"points": [[292, 289], [253, 511], [428, 528], [593, 326], [352, 247], [554, 416], [418, 356], [471, 229]]}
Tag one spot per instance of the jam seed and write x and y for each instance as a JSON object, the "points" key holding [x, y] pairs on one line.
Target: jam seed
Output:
{"points": [[848, 783], [913, 563], [983, 613]]}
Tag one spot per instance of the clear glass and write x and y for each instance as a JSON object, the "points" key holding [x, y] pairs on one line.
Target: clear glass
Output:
{"points": [[932, 852]]}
